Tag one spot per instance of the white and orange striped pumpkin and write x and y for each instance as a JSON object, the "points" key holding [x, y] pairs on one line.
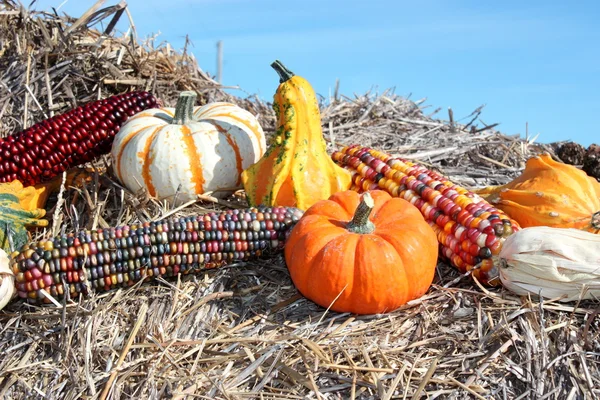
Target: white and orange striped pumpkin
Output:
{"points": [[187, 150]]}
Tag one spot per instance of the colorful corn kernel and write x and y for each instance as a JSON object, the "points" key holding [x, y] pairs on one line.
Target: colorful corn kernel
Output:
{"points": [[54, 145], [469, 229], [106, 259]]}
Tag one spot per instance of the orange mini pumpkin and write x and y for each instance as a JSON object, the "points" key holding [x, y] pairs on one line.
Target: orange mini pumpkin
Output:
{"points": [[362, 255]]}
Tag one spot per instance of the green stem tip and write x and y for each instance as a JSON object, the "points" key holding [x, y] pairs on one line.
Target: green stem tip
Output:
{"points": [[184, 108], [360, 222], [284, 73]]}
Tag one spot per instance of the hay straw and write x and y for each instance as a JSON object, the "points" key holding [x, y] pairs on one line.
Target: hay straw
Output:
{"points": [[244, 332]]}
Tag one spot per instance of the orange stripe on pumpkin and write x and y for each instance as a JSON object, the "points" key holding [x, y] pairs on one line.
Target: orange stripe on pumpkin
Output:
{"points": [[147, 162], [236, 150], [193, 156], [124, 144], [212, 106], [255, 131]]}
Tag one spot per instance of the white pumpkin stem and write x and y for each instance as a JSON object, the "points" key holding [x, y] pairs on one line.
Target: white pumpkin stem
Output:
{"points": [[360, 222], [185, 107]]}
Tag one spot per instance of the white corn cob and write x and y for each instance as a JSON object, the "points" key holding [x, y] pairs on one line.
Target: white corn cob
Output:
{"points": [[552, 262]]}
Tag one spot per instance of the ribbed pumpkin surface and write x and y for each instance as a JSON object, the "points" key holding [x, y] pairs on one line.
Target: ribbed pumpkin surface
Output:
{"points": [[368, 271]]}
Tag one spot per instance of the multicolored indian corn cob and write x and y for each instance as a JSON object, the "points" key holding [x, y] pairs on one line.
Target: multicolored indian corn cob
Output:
{"points": [[105, 259], [54, 145], [470, 230]]}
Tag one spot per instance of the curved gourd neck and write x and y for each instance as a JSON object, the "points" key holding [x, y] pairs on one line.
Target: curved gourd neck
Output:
{"points": [[284, 73]]}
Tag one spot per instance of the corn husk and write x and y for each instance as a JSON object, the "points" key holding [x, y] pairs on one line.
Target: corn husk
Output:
{"points": [[7, 280], [552, 262]]}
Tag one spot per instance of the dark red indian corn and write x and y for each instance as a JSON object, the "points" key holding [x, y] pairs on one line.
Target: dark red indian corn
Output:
{"points": [[54, 145], [470, 231], [106, 259]]}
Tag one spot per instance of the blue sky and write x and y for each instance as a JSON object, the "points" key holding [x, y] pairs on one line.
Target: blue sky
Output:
{"points": [[534, 61]]}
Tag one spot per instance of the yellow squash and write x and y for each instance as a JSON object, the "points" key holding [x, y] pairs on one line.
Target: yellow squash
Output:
{"points": [[34, 197], [22, 207], [549, 193], [296, 170]]}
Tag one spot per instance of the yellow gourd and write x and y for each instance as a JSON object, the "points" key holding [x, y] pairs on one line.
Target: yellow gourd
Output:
{"points": [[549, 193], [34, 197], [22, 207], [296, 170]]}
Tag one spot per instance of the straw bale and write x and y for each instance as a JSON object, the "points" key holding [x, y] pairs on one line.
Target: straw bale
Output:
{"points": [[244, 332]]}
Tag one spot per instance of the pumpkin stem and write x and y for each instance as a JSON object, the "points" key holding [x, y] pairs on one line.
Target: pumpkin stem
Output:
{"points": [[185, 107], [284, 73], [596, 220], [360, 222]]}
